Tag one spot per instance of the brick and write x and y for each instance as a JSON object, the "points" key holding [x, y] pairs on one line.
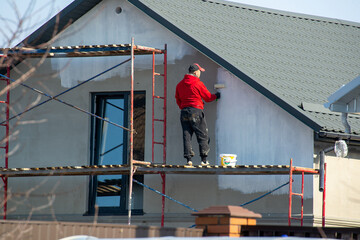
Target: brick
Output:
{"points": [[223, 229], [233, 221], [212, 234], [201, 227], [251, 221], [229, 234], [206, 220]]}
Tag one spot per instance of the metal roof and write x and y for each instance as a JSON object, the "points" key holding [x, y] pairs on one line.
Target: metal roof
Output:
{"points": [[289, 58], [331, 121]]}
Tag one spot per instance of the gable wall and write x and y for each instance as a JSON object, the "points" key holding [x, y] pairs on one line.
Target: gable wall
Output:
{"points": [[62, 135]]}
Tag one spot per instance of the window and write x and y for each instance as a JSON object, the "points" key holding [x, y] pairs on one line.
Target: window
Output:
{"points": [[109, 145]]}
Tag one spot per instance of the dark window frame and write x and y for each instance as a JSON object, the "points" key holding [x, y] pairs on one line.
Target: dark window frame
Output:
{"points": [[94, 146]]}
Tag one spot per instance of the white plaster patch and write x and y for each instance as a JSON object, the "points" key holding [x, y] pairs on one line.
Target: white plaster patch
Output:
{"points": [[102, 25], [259, 132]]}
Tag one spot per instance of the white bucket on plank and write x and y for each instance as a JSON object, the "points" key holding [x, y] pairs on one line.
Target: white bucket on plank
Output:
{"points": [[228, 159]]}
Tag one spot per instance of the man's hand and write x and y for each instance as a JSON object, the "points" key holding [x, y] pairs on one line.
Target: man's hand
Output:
{"points": [[218, 95]]}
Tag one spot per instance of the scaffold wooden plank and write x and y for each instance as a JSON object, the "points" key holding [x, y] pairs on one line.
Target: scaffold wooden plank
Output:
{"points": [[79, 51], [142, 169]]}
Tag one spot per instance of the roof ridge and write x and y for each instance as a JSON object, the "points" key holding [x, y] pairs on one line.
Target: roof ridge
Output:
{"points": [[283, 14]]}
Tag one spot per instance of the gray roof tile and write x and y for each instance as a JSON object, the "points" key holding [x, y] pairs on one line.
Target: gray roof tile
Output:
{"points": [[297, 58]]}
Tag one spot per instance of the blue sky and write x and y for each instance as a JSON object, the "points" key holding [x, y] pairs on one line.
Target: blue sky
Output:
{"points": [[37, 12], [340, 9], [32, 13]]}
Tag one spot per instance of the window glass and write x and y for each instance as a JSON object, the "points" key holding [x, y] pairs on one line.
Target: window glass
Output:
{"points": [[111, 152], [110, 147]]}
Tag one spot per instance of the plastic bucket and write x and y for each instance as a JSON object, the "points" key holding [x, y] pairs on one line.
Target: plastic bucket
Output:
{"points": [[228, 159]]}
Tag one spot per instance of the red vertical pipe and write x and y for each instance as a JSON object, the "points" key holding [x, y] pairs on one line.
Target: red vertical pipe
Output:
{"points": [[302, 198], [324, 195], [165, 100], [163, 178], [164, 137], [131, 133], [7, 118], [7, 139], [153, 107], [290, 191]]}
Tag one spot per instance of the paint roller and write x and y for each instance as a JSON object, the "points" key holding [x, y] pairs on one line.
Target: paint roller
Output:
{"points": [[219, 86]]}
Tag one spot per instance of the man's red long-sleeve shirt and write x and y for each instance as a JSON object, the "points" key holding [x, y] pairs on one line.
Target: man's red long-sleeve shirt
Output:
{"points": [[190, 91]]}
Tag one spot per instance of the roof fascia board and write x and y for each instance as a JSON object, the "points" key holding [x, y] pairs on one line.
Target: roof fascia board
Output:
{"points": [[219, 60]]}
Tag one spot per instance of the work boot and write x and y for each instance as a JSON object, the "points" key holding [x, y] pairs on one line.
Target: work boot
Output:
{"points": [[189, 162], [204, 161]]}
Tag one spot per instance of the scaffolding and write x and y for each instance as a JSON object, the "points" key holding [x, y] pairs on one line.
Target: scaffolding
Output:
{"points": [[95, 51], [303, 171], [6, 124], [134, 166]]}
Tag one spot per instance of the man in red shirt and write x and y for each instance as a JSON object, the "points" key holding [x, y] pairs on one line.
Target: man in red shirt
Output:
{"points": [[190, 93]]}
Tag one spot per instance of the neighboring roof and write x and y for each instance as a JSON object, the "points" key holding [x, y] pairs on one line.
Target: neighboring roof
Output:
{"points": [[289, 58], [294, 60], [331, 121], [346, 99]]}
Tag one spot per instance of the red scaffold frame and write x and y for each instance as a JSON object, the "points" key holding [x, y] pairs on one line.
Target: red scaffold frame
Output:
{"points": [[292, 169], [7, 134]]}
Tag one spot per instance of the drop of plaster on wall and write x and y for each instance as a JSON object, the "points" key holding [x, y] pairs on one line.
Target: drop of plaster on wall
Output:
{"points": [[259, 132], [102, 25]]}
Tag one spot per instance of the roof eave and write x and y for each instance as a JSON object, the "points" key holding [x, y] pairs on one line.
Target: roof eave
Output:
{"points": [[222, 62]]}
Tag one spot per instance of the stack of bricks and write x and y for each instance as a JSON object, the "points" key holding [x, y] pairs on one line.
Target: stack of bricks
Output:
{"points": [[224, 220]]}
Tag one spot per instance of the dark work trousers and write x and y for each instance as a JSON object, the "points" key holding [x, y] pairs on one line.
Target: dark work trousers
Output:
{"points": [[193, 121]]}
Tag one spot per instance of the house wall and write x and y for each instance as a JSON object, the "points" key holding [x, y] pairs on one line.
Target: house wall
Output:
{"points": [[259, 132], [242, 122], [342, 194]]}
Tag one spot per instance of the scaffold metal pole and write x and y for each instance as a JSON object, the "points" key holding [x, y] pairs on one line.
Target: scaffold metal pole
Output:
{"points": [[165, 102], [131, 133], [7, 125], [324, 196], [290, 191], [163, 175], [153, 109]]}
